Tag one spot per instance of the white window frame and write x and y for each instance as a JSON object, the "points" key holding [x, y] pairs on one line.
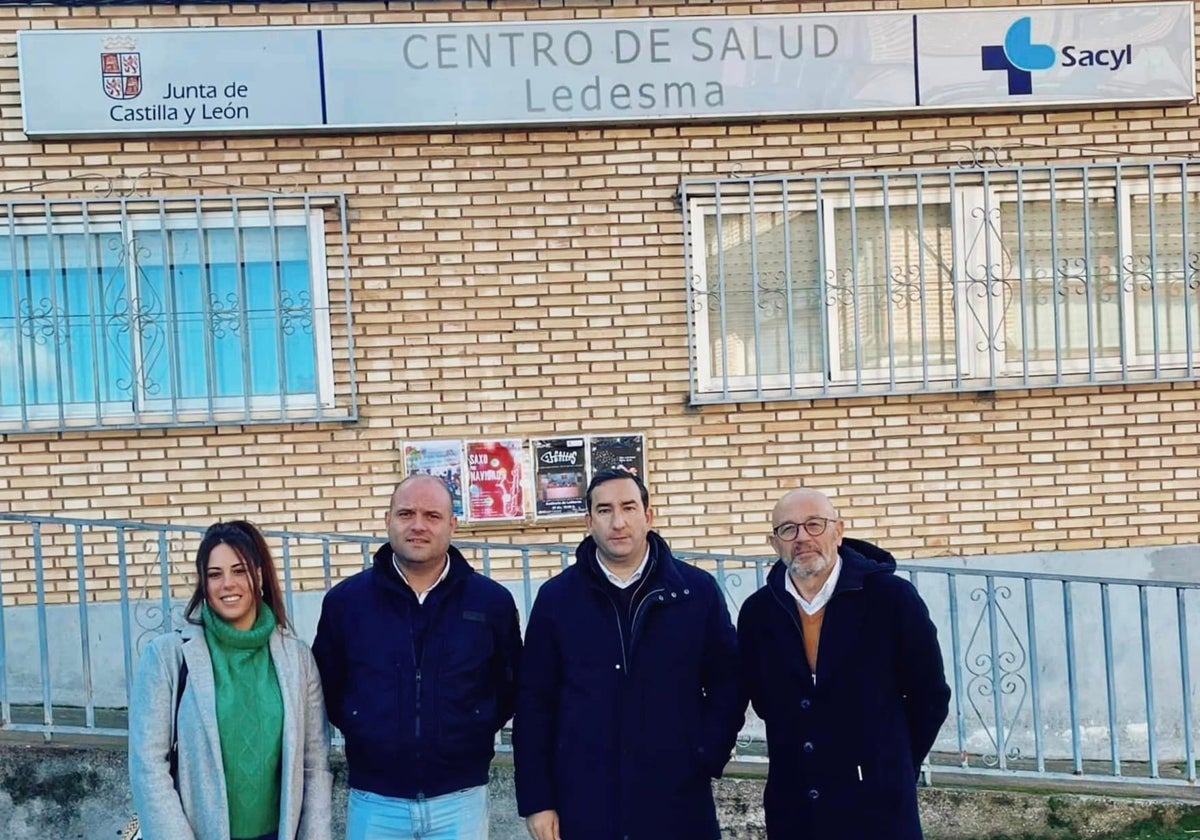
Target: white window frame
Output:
{"points": [[143, 409], [906, 197], [701, 210], [983, 356]]}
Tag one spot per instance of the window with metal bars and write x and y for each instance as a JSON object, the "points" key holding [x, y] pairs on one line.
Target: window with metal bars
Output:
{"points": [[163, 313], [838, 285]]}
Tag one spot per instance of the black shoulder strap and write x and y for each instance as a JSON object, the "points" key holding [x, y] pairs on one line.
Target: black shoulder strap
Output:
{"points": [[180, 687], [173, 756]]}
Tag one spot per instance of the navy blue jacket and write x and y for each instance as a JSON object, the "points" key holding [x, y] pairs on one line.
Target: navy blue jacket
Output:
{"points": [[845, 752], [418, 722], [625, 746]]}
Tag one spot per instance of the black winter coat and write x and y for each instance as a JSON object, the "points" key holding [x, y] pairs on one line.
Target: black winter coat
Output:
{"points": [[418, 720], [845, 752], [624, 747]]}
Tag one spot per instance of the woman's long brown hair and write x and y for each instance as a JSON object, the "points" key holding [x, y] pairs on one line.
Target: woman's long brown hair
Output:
{"points": [[248, 542]]}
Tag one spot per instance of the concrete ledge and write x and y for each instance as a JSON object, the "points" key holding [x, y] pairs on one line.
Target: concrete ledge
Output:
{"points": [[50, 790]]}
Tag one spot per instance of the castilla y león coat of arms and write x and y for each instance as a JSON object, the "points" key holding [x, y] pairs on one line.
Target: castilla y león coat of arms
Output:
{"points": [[121, 69]]}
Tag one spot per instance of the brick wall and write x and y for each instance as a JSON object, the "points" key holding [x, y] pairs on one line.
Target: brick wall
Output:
{"points": [[525, 283]]}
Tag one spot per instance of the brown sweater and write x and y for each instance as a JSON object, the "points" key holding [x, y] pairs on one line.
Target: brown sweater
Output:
{"points": [[811, 625]]}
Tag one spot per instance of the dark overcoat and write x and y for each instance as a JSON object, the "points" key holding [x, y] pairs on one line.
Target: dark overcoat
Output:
{"points": [[845, 749], [624, 740]]}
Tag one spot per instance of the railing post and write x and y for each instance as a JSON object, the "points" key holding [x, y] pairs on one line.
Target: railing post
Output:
{"points": [[997, 688], [1148, 682], [43, 632], [1110, 682], [1034, 677], [1072, 685], [85, 635], [1186, 679], [126, 619], [960, 712], [164, 571]]}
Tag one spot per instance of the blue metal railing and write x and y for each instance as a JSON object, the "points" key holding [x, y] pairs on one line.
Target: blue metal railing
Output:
{"points": [[1035, 660]]}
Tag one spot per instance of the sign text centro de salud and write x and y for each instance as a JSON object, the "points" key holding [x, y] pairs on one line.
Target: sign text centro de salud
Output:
{"points": [[179, 81]]}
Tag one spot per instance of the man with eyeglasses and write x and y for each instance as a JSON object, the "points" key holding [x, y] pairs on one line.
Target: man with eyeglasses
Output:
{"points": [[841, 662]]}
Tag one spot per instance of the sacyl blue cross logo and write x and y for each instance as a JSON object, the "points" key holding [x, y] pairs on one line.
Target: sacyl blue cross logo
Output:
{"points": [[1019, 57]]}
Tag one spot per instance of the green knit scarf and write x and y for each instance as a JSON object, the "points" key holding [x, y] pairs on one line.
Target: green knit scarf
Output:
{"points": [[249, 721]]}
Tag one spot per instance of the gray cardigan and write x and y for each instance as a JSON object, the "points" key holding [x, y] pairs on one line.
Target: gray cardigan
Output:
{"points": [[199, 811]]}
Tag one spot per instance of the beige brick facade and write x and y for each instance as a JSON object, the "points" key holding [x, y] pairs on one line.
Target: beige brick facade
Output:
{"points": [[524, 283]]}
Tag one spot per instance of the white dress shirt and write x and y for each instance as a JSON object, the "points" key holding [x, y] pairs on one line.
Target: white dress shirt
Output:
{"points": [[823, 595], [634, 578], [421, 596]]}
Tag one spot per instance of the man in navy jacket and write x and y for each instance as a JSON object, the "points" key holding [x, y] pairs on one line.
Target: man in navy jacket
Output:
{"points": [[418, 657], [628, 703], [841, 661]]}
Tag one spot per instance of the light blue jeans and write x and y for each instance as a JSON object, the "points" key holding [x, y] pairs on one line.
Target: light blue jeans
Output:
{"points": [[462, 815]]}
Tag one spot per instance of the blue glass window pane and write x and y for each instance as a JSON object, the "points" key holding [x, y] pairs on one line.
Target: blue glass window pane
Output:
{"points": [[118, 344], [261, 313], [73, 319], [78, 273], [10, 363], [157, 332], [40, 322], [191, 321], [297, 316], [226, 315], [88, 319]]}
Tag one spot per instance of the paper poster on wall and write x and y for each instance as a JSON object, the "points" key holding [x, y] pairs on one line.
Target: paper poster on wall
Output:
{"points": [[442, 458], [560, 476], [621, 452], [494, 481]]}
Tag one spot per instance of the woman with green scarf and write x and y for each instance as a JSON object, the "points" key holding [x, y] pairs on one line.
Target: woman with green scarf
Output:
{"points": [[227, 731]]}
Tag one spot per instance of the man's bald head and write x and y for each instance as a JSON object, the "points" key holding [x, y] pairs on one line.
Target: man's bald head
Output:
{"points": [[423, 479], [813, 502]]}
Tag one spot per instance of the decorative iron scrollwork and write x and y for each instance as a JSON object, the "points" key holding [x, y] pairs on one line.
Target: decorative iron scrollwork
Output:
{"points": [[906, 286], [704, 297], [225, 315], [141, 315], [142, 184], [996, 666], [839, 294], [978, 157], [772, 294], [295, 313], [43, 322], [1137, 271], [147, 608]]}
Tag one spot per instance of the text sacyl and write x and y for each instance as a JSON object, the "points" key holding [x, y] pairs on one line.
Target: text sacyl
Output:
{"points": [[1113, 59]]}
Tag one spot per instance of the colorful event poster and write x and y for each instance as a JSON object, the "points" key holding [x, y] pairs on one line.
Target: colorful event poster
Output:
{"points": [[621, 452], [560, 476], [442, 458], [494, 481]]}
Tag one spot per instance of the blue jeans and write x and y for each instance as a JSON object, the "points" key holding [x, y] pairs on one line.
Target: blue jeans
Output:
{"points": [[462, 815]]}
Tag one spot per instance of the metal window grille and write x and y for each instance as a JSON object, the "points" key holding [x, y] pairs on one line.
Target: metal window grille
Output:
{"points": [[952, 280], [135, 312]]}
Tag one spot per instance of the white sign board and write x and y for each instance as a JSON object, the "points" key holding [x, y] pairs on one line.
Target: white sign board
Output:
{"points": [[1056, 56], [347, 78], [169, 81]]}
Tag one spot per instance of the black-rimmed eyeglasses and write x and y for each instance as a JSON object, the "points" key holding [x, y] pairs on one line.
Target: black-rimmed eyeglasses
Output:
{"points": [[814, 527]]}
